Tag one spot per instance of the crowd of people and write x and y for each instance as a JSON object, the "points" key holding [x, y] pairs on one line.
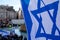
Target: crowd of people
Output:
{"points": [[10, 37], [5, 23]]}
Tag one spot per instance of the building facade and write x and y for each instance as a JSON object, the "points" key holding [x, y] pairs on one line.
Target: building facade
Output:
{"points": [[7, 12]]}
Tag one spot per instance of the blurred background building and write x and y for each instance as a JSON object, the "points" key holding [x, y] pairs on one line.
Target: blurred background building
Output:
{"points": [[7, 12]]}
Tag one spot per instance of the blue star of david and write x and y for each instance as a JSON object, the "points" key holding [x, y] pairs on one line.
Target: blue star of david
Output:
{"points": [[43, 9]]}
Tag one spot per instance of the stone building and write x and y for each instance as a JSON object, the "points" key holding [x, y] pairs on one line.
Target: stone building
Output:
{"points": [[7, 12]]}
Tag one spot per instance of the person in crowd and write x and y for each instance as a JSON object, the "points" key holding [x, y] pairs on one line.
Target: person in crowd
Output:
{"points": [[25, 38], [0, 37], [21, 37], [0, 23], [9, 37]]}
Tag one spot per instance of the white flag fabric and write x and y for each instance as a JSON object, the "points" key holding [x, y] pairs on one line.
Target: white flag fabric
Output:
{"points": [[42, 18]]}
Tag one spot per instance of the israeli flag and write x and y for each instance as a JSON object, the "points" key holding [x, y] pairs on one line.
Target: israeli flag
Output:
{"points": [[42, 18]]}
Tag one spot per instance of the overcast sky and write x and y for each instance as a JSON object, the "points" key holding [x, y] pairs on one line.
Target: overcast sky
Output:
{"points": [[15, 3]]}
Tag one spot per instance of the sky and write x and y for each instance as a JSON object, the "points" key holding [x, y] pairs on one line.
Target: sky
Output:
{"points": [[15, 3]]}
